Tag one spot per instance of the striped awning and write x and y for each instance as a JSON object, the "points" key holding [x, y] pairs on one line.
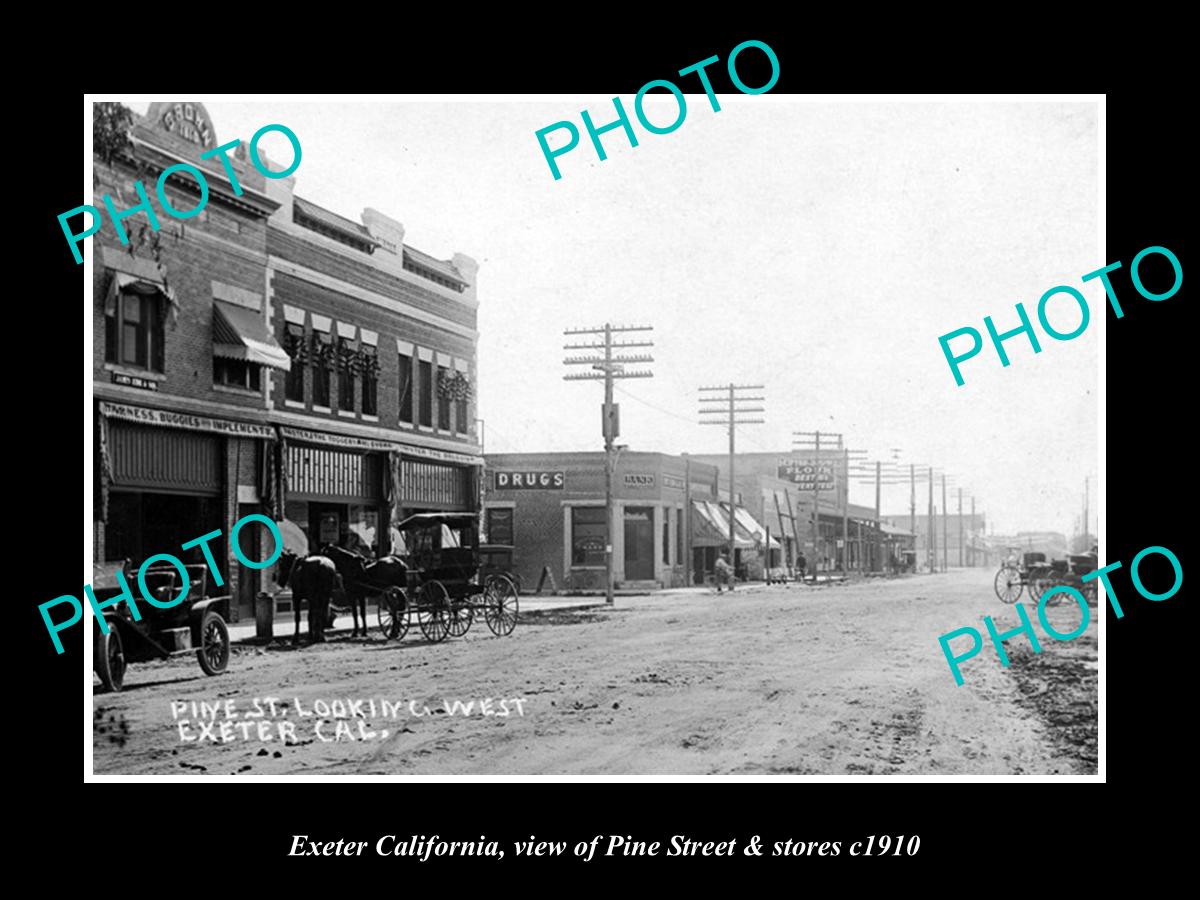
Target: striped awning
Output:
{"points": [[710, 526], [242, 334]]}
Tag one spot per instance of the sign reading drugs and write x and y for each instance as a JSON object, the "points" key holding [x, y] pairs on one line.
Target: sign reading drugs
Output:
{"points": [[808, 473], [543, 481]]}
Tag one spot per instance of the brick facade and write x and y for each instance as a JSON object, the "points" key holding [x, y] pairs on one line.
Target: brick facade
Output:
{"points": [[652, 484], [246, 251]]}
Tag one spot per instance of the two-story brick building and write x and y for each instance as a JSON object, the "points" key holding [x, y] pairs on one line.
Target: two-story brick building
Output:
{"points": [[268, 355]]}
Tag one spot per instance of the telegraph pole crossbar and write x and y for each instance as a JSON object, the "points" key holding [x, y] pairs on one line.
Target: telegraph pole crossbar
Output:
{"points": [[607, 368]]}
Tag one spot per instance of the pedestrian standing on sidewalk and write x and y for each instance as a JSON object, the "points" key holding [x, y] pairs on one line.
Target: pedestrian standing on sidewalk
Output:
{"points": [[724, 573], [801, 566]]}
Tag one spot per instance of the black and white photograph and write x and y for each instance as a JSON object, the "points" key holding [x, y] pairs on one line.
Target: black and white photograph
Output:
{"points": [[688, 434]]}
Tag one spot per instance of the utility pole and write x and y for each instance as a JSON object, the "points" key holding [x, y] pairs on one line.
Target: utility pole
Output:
{"points": [[608, 367], [806, 440], [930, 528], [961, 549], [878, 555], [945, 535], [729, 408], [1085, 513], [972, 531], [859, 459], [912, 502]]}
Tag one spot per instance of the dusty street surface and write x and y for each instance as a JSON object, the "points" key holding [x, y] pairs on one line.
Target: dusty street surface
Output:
{"points": [[786, 679]]}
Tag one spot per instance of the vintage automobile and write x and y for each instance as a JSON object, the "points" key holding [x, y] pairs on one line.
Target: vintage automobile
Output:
{"points": [[196, 624]]}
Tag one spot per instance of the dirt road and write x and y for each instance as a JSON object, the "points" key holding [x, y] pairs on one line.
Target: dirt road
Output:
{"points": [[844, 679]]}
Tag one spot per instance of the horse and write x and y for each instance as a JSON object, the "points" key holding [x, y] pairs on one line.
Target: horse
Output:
{"points": [[312, 579], [360, 575]]}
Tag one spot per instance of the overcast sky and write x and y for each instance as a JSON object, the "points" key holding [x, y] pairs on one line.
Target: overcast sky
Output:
{"points": [[817, 248]]}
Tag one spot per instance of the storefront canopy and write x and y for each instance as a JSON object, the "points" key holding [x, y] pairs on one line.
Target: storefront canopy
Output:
{"points": [[710, 526], [242, 334]]}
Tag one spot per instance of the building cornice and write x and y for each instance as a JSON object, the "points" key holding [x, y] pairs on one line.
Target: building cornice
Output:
{"points": [[296, 270], [317, 239]]}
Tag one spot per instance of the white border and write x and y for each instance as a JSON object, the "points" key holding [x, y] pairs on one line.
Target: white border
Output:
{"points": [[88, 269]]}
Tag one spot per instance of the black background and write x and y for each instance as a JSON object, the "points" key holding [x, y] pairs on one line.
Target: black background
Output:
{"points": [[971, 833]]}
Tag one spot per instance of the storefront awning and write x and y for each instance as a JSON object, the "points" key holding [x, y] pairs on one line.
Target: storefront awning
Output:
{"points": [[751, 526], [242, 334], [710, 526]]}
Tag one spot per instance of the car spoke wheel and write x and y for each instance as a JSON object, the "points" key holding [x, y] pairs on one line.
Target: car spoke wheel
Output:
{"points": [[108, 657], [213, 653], [433, 611], [1008, 584], [500, 605]]}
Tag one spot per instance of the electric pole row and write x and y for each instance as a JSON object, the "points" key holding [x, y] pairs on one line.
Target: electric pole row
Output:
{"points": [[608, 366]]}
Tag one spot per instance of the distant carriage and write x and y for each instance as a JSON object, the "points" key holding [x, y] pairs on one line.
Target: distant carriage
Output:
{"points": [[196, 624], [1032, 573]]}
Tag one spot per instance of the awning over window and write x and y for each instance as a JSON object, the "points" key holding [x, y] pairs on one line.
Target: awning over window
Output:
{"points": [[242, 334], [123, 283], [710, 526]]}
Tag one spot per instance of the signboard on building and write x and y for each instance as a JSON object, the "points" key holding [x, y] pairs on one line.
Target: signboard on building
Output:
{"points": [[541, 481], [188, 120], [161, 417], [809, 473], [499, 525], [670, 481], [134, 381], [639, 479]]}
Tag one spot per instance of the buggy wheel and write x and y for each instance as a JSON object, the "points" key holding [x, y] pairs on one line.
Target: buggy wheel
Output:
{"points": [[108, 657], [1008, 584], [433, 611], [213, 653], [462, 614], [1040, 581], [500, 605], [393, 613]]}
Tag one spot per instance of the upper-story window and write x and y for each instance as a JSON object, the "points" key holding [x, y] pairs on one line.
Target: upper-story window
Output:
{"points": [[460, 416], [293, 343], [322, 367], [425, 389], [133, 334], [237, 373], [347, 351], [443, 399], [370, 379], [406, 388]]}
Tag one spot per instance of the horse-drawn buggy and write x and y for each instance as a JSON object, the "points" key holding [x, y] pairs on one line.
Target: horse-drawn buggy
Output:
{"points": [[440, 577], [1033, 573], [195, 624]]}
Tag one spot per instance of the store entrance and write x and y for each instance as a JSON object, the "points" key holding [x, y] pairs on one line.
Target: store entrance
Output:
{"points": [[141, 524], [639, 543], [326, 524]]}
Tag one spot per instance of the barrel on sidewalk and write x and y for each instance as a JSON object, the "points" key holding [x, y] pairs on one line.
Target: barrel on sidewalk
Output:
{"points": [[264, 616]]}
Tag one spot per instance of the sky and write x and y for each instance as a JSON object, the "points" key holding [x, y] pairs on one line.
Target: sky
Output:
{"points": [[817, 248]]}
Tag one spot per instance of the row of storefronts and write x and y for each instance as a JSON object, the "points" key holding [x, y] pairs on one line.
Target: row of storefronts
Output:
{"points": [[671, 517], [270, 357]]}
